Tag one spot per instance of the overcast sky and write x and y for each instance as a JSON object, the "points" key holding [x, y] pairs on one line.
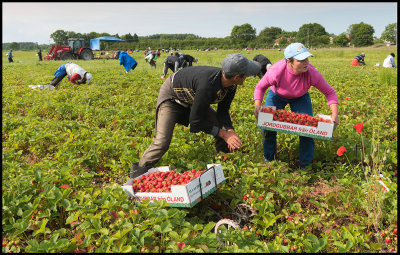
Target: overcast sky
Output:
{"points": [[36, 21]]}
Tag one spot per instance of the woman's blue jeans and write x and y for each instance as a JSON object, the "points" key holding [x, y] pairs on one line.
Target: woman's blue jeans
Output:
{"points": [[300, 105]]}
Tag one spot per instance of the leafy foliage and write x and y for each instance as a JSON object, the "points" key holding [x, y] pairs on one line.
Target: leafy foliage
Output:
{"points": [[269, 34], [341, 40], [242, 34], [312, 34], [361, 34], [65, 153], [390, 33]]}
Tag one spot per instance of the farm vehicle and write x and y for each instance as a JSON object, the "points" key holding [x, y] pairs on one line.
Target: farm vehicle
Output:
{"points": [[75, 49]]}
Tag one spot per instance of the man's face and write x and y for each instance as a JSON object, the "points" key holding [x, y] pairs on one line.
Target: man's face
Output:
{"points": [[239, 80]]}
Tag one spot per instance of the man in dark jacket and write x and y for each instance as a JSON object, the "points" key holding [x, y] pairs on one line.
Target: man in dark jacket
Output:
{"points": [[40, 55], [10, 56], [172, 62], [187, 60], [185, 98], [265, 64]]}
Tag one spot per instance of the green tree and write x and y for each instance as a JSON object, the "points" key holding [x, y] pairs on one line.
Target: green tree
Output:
{"points": [[92, 35], [242, 35], [128, 37], [312, 34], [135, 38], [390, 33], [59, 37], [361, 34], [268, 35], [341, 40], [87, 37], [14, 46], [322, 40], [103, 34]]}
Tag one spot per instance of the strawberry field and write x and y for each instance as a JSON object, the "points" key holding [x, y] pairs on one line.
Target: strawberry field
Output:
{"points": [[66, 153]]}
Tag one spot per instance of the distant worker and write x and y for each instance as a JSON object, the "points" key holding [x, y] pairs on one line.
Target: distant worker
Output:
{"points": [[147, 51], [389, 61], [180, 57], [116, 56], [172, 62], [39, 54], [76, 74], [187, 60], [265, 64], [10, 56], [152, 57], [358, 60], [127, 61]]}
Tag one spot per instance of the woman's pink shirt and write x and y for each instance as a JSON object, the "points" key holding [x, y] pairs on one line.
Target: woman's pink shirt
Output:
{"points": [[287, 84]]}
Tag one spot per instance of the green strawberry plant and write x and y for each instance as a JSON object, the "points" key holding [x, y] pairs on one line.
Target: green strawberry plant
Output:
{"points": [[66, 153]]}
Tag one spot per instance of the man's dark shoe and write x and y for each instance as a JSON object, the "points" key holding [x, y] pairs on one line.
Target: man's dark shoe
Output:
{"points": [[136, 171], [221, 145], [307, 168]]}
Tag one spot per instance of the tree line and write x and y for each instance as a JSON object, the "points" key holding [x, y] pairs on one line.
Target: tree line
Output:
{"points": [[242, 36]]}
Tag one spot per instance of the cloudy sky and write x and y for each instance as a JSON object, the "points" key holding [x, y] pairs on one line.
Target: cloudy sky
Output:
{"points": [[36, 21]]}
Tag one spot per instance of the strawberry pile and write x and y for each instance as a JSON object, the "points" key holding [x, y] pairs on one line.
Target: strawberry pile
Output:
{"points": [[162, 181], [293, 117]]}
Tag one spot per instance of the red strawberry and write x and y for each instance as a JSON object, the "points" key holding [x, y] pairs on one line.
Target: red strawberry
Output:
{"points": [[181, 245]]}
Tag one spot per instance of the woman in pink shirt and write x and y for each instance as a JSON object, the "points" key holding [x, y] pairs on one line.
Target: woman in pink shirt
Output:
{"points": [[289, 80]]}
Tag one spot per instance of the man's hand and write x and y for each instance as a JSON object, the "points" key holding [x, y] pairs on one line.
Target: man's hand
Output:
{"points": [[231, 138]]}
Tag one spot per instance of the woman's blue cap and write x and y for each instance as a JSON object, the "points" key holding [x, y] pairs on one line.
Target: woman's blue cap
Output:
{"points": [[297, 51]]}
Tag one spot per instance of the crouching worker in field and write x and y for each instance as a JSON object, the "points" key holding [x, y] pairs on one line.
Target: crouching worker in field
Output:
{"points": [[152, 57], [185, 98], [389, 61], [185, 59], [127, 61], [75, 73], [172, 62], [288, 81], [358, 60]]}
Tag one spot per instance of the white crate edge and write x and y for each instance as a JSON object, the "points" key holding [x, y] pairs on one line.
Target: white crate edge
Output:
{"points": [[322, 131], [182, 195]]}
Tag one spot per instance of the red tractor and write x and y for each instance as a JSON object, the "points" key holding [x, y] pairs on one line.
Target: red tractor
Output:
{"points": [[74, 50]]}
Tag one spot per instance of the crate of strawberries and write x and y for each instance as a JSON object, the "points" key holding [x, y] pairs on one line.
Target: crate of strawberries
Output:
{"points": [[320, 127], [178, 189]]}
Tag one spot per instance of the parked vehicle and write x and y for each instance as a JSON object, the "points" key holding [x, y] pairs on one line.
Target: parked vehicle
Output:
{"points": [[75, 49]]}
